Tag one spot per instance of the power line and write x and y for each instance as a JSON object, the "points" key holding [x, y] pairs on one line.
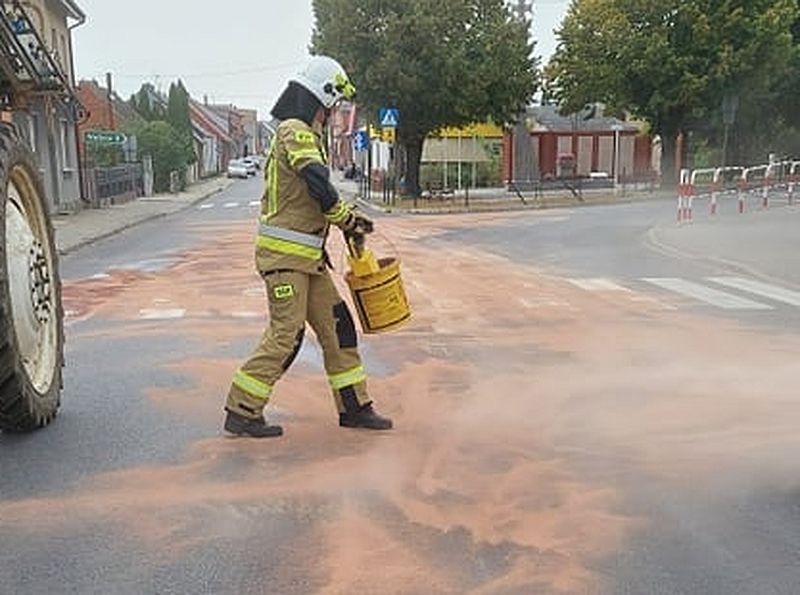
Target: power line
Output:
{"points": [[211, 74]]}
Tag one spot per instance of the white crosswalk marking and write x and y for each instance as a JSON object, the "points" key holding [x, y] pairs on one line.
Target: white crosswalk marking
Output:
{"points": [[166, 314], [598, 285], [708, 295], [773, 292], [247, 315]]}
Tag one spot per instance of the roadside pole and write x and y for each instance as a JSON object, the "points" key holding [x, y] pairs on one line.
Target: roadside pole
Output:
{"points": [[389, 120], [617, 128], [460, 165]]}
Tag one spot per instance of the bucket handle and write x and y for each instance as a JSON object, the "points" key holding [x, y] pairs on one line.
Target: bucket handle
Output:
{"points": [[357, 242], [386, 239]]}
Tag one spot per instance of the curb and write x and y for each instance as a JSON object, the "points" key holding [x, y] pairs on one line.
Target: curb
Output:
{"points": [[130, 225]]}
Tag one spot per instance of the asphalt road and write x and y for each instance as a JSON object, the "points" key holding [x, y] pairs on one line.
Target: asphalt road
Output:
{"points": [[592, 400]]}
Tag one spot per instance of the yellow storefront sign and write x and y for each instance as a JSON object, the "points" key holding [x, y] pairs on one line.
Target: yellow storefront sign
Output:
{"points": [[485, 130]]}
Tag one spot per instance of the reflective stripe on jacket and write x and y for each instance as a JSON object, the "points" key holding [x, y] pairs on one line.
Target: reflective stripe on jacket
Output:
{"points": [[293, 226]]}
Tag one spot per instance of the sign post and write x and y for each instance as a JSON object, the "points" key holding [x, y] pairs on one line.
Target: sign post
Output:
{"points": [[389, 120], [361, 146]]}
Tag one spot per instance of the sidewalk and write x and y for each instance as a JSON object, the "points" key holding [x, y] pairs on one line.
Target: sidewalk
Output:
{"points": [[91, 225]]}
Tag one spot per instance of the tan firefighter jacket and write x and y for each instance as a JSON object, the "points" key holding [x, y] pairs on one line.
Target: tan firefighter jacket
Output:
{"points": [[293, 228]]}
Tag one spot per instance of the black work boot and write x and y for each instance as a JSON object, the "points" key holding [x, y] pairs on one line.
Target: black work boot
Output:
{"points": [[366, 417], [239, 425]]}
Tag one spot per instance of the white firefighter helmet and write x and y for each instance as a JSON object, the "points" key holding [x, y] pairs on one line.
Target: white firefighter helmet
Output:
{"points": [[325, 78]]}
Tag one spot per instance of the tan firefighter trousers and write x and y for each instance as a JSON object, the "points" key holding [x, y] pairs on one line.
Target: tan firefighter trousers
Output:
{"points": [[294, 298]]}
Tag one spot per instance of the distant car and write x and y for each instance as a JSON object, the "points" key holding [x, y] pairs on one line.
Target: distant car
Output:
{"points": [[252, 165], [238, 169]]}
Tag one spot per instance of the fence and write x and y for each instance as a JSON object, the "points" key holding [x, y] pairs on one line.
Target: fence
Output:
{"points": [[764, 183], [113, 185]]}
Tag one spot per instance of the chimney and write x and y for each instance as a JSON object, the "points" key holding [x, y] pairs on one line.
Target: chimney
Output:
{"points": [[109, 84]]}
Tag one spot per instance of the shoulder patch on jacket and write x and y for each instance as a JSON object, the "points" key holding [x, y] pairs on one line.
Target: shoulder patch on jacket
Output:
{"points": [[305, 137]]}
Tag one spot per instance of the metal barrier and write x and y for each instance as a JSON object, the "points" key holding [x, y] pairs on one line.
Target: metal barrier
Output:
{"points": [[114, 185], [714, 183]]}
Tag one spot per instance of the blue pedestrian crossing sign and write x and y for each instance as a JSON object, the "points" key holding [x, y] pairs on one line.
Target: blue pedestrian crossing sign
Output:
{"points": [[361, 141], [389, 117]]}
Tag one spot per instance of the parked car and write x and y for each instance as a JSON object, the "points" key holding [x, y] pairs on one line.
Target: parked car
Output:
{"points": [[251, 164], [238, 169]]}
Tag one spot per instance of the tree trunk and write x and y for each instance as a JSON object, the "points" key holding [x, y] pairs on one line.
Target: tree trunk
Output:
{"points": [[669, 145], [413, 161]]}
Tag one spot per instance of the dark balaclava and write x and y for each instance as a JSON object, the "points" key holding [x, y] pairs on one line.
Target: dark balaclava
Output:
{"points": [[297, 102]]}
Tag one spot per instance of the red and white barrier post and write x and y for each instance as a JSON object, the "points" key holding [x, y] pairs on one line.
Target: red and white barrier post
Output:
{"points": [[685, 197], [741, 190], [716, 187]]}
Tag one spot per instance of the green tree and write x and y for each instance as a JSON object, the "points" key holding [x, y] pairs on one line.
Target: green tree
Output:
{"points": [[670, 62], [145, 102], [440, 62], [167, 148], [179, 117]]}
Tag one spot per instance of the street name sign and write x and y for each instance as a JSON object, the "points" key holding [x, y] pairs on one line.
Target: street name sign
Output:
{"points": [[106, 137]]}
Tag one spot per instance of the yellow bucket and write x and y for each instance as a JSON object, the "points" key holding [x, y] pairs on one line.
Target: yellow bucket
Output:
{"points": [[379, 296]]}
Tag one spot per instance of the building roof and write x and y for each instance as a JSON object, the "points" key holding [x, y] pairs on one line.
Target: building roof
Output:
{"points": [[546, 118], [122, 109], [73, 10], [204, 118]]}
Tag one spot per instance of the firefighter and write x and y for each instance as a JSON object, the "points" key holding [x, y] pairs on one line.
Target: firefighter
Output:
{"points": [[298, 207]]}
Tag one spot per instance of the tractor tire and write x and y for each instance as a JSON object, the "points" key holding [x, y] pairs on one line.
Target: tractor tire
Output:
{"points": [[31, 314]]}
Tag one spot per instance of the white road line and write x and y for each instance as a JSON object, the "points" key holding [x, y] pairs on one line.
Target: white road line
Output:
{"points": [[255, 203], [543, 302], [255, 292], [205, 207], [247, 315], [450, 305], [773, 292], [598, 285], [154, 314], [708, 295], [231, 205]]}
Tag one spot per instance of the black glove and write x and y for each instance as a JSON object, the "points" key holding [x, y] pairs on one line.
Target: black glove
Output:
{"points": [[358, 225], [363, 225]]}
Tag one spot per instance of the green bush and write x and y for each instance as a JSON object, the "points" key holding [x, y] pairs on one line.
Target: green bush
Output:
{"points": [[488, 174], [104, 155], [168, 149]]}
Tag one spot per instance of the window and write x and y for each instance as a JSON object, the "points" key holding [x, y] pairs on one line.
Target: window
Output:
{"points": [[32, 121], [66, 152], [65, 57]]}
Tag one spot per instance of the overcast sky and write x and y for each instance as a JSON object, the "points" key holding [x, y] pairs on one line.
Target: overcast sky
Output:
{"points": [[239, 51]]}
